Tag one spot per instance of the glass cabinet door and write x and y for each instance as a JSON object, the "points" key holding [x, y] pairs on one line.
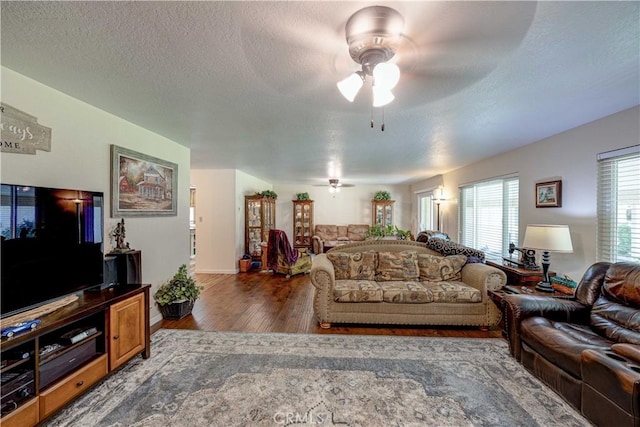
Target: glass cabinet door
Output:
{"points": [[382, 212], [302, 223], [260, 217]]}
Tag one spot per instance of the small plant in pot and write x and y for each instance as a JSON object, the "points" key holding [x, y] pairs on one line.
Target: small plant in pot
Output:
{"points": [[175, 298]]}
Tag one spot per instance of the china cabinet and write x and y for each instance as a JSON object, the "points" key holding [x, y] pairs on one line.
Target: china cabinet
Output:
{"points": [[382, 212], [302, 223], [260, 217]]}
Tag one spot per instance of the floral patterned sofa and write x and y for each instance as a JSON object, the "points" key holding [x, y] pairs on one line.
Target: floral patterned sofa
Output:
{"points": [[403, 283]]}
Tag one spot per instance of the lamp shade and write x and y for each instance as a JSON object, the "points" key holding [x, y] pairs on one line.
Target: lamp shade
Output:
{"points": [[381, 96], [551, 238], [386, 75], [350, 86]]}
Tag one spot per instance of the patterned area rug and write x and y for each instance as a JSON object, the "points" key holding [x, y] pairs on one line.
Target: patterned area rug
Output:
{"points": [[196, 378]]}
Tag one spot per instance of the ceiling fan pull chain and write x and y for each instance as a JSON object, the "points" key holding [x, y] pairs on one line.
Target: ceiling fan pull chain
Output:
{"points": [[382, 125], [372, 117]]}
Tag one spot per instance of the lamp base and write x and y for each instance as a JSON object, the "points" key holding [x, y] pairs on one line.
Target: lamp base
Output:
{"points": [[544, 287]]}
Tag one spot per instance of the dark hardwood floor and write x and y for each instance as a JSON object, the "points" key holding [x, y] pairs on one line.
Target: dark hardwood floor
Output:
{"points": [[267, 302]]}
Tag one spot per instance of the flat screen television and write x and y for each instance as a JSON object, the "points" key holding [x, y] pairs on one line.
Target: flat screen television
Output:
{"points": [[52, 244]]}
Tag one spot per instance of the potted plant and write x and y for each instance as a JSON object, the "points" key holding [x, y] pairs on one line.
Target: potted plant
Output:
{"points": [[302, 196], [379, 231], [175, 298], [382, 195], [268, 193], [402, 234]]}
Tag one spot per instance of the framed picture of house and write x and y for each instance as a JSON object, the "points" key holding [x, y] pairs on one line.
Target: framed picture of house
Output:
{"points": [[142, 185], [549, 194]]}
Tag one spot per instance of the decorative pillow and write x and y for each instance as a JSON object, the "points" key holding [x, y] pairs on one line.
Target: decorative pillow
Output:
{"points": [[397, 266], [357, 232], [353, 266], [326, 232], [423, 236], [446, 247], [435, 268]]}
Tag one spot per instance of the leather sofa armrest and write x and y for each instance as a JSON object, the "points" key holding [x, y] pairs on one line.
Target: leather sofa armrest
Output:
{"points": [[520, 307], [323, 278], [630, 351]]}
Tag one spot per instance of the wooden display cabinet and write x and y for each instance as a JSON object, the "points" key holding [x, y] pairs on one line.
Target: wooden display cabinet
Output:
{"points": [[382, 212], [302, 223], [260, 217]]}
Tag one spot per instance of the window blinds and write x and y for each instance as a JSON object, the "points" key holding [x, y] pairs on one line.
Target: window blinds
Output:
{"points": [[489, 215], [618, 231]]}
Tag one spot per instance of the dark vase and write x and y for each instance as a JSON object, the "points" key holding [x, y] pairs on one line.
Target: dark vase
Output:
{"points": [[176, 310]]}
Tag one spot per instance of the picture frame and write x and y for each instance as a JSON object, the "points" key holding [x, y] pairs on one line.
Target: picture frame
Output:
{"points": [[549, 194], [142, 185]]}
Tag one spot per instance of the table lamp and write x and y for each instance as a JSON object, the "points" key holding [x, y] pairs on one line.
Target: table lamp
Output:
{"points": [[547, 238]]}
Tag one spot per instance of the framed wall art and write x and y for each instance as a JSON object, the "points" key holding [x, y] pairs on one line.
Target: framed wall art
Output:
{"points": [[142, 185], [549, 194]]}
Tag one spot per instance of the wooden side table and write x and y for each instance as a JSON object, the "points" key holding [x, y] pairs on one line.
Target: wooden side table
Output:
{"points": [[519, 276]]}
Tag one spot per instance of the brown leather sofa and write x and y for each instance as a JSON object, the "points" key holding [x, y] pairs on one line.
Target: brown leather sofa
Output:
{"points": [[327, 236], [586, 348]]}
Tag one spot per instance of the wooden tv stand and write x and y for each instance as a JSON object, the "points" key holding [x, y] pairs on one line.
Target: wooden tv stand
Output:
{"points": [[118, 318]]}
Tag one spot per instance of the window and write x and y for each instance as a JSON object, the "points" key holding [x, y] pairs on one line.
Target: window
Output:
{"points": [[618, 235], [489, 215], [426, 219]]}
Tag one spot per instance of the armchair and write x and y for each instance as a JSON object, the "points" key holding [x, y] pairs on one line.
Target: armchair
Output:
{"points": [[282, 258]]}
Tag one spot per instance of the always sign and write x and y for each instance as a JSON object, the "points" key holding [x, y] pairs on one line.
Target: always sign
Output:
{"points": [[21, 133]]}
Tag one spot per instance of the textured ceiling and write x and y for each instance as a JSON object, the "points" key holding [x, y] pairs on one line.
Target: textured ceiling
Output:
{"points": [[251, 85]]}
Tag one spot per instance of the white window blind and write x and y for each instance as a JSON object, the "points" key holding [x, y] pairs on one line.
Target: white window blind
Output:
{"points": [[489, 215], [618, 234]]}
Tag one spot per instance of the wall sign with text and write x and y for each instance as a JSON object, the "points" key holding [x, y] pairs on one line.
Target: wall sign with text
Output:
{"points": [[21, 132]]}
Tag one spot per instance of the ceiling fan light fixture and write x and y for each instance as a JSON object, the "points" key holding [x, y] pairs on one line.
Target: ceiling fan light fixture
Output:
{"points": [[381, 96], [386, 75], [373, 35], [350, 86]]}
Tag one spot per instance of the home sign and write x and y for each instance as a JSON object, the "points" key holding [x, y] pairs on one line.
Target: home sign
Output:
{"points": [[21, 133]]}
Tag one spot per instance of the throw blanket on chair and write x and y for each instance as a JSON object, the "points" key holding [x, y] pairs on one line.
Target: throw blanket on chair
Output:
{"points": [[279, 243]]}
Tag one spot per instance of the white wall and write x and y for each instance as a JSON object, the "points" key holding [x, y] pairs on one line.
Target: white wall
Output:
{"points": [[569, 156], [80, 159], [220, 217], [215, 220]]}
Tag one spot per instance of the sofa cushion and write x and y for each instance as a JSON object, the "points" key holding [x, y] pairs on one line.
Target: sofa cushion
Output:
{"points": [[326, 232], [353, 266], [394, 266], [405, 292], [357, 232], [456, 292], [437, 268], [561, 343], [357, 291], [446, 247], [621, 284], [342, 232]]}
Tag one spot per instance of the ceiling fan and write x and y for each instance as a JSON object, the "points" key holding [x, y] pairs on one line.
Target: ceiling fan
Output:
{"points": [[439, 48], [335, 185]]}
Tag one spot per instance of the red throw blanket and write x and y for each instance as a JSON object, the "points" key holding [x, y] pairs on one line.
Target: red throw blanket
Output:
{"points": [[278, 242]]}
